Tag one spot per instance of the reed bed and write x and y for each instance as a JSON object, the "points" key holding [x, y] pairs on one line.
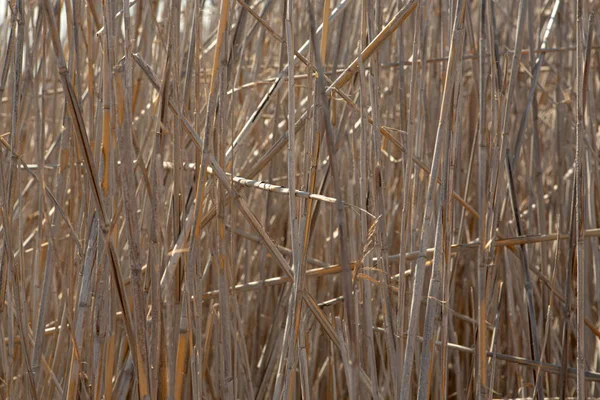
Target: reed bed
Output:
{"points": [[286, 199]]}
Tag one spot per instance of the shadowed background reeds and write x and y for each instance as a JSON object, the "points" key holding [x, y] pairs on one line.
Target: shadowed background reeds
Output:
{"points": [[299, 199]]}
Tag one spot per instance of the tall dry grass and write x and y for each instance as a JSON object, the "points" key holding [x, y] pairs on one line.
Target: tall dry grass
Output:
{"points": [[285, 199]]}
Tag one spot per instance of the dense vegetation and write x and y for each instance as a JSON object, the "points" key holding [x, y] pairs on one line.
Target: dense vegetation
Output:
{"points": [[387, 199]]}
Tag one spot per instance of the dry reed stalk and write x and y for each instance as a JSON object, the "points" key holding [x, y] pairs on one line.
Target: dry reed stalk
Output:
{"points": [[424, 237], [365, 228]]}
